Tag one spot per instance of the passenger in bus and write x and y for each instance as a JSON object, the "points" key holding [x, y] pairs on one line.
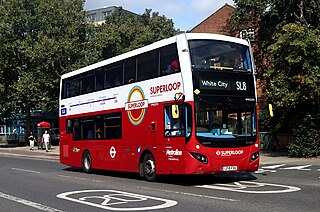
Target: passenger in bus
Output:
{"points": [[99, 133], [90, 134], [238, 63], [174, 67]]}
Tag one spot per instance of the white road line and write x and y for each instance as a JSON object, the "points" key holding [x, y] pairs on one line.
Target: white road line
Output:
{"points": [[298, 168], [26, 170], [29, 203], [273, 167], [262, 171], [79, 178], [194, 195]]}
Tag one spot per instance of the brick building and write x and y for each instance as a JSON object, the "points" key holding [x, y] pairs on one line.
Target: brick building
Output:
{"points": [[217, 23]]}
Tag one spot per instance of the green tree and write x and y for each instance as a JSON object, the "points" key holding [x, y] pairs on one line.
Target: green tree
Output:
{"points": [[289, 46], [294, 86], [40, 41], [124, 31]]}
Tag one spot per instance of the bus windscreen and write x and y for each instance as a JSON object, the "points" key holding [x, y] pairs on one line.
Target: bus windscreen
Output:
{"points": [[219, 55]]}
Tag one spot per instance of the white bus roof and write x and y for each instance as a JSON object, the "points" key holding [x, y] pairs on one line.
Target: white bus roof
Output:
{"points": [[158, 44]]}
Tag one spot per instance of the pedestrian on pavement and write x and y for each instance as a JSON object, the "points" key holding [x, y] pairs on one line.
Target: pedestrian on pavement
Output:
{"points": [[31, 141], [46, 139]]}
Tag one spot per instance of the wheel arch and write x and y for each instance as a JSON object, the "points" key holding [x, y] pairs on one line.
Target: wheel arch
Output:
{"points": [[142, 155], [85, 151], [147, 151]]}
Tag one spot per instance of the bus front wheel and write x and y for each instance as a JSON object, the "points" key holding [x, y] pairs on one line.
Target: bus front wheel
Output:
{"points": [[86, 162], [149, 168]]}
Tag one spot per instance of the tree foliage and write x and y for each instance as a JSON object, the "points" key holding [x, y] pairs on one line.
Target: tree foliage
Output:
{"points": [[289, 46], [124, 31], [40, 41], [294, 86]]}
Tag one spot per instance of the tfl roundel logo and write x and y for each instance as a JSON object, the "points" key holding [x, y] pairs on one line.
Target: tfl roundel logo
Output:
{"points": [[136, 105]]}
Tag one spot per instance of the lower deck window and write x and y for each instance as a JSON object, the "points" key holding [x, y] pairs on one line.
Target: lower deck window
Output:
{"points": [[106, 126]]}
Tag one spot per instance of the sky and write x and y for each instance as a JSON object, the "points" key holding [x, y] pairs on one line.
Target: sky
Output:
{"points": [[186, 14]]}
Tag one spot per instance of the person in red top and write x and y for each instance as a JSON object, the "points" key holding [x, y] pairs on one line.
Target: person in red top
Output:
{"points": [[175, 66]]}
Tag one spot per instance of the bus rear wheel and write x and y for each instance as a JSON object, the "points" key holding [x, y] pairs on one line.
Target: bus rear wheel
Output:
{"points": [[149, 168], [86, 162]]}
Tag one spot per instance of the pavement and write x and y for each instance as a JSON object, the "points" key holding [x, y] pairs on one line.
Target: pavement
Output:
{"points": [[266, 157], [24, 151]]}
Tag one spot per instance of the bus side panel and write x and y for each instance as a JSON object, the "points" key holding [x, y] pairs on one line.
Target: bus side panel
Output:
{"points": [[106, 154], [69, 152], [139, 137], [149, 136]]}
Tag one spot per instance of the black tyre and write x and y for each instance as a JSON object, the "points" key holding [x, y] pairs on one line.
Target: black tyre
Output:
{"points": [[149, 168], [86, 162]]}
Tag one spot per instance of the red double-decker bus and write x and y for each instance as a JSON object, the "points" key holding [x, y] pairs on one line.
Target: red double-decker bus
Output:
{"points": [[183, 105]]}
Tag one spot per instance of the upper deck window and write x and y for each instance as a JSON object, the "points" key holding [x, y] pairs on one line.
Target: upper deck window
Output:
{"points": [[219, 55], [144, 66]]}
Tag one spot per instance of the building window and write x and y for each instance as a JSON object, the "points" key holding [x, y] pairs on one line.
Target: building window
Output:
{"points": [[92, 17], [106, 14]]}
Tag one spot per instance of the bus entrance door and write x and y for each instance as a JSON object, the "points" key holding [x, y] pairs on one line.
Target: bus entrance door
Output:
{"points": [[174, 139]]}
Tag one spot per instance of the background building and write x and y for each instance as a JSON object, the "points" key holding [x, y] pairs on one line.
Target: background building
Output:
{"points": [[216, 23], [98, 16]]}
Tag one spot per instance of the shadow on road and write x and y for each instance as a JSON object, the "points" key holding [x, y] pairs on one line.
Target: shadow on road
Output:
{"points": [[184, 180], [194, 180]]}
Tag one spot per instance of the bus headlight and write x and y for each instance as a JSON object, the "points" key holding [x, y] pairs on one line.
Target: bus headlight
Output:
{"points": [[254, 156], [202, 158]]}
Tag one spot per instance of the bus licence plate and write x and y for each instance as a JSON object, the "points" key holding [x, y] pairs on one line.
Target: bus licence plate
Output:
{"points": [[229, 168]]}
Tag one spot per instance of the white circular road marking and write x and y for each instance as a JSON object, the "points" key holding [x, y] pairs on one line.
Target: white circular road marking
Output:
{"points": [[117, 200], [253, 187]]}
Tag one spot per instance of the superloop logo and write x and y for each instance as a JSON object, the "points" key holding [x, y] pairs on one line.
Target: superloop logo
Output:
{"points": [[229, 152], [136, 105]]}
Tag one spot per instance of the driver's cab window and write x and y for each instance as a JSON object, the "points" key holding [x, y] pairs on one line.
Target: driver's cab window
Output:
{"points": [[174, 120]]}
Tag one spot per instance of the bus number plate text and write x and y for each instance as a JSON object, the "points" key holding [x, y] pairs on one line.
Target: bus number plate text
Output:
{"points": [[229, 168]]}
